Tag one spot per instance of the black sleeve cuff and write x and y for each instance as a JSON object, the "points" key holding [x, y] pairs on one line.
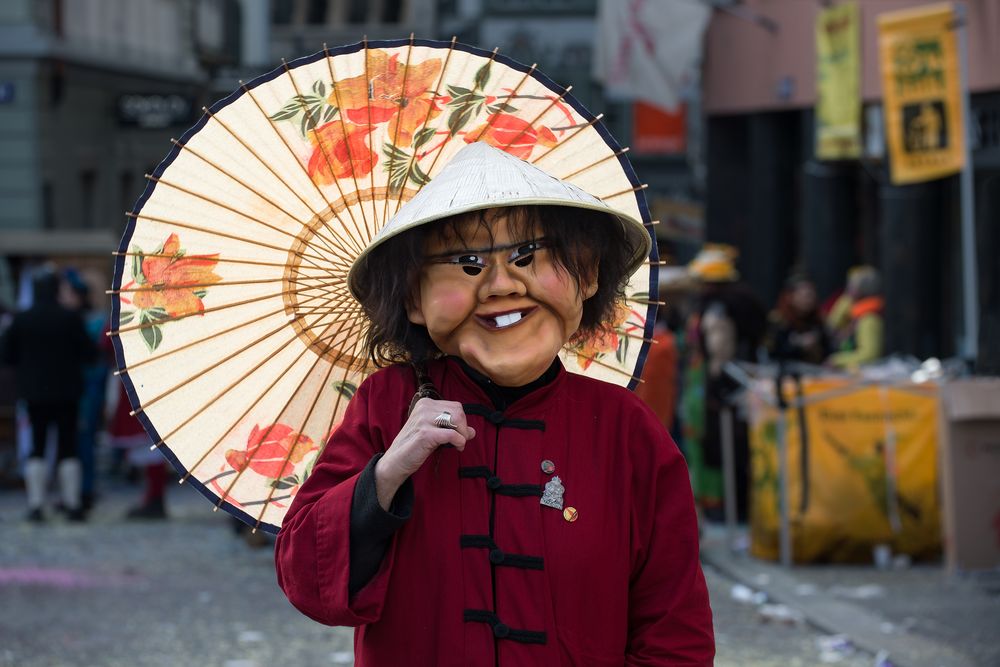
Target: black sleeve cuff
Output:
{"points": [[372, 527]]}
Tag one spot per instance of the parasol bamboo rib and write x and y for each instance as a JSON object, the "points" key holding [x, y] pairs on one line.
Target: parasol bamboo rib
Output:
{"points": [[288, 187], [636, 337], [301, 280], [594, 164], [597, 361], [302, 427], [305, 421], [427, 117], [235, 422], [212, 336], [229, 430], [152, 401], [178, 286], [531, 124], [578, 130], [213, 232], [259, 398], [645, 302], [650, 224], [326, 158], [492, 118], [239, 473], [213, 309], [295, 159], [395, 134], [208, 404], [625, 192], [371, 148], [326, 309], [230, 260], [329, 242], [468, 103], [347, 143]]}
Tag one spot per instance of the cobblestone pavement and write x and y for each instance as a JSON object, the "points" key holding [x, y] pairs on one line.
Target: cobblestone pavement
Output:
{"points": [[188, 591]]}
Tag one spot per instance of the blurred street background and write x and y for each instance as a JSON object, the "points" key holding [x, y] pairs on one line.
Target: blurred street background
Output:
{"points": [[825, 177]]}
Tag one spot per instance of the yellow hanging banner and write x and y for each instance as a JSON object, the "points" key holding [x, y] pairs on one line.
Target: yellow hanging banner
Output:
{"points": [[921, 88], [838, 83]]}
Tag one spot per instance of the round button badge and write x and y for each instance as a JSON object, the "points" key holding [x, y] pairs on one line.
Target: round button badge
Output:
{"points": [[570, 514], [548, 467]]}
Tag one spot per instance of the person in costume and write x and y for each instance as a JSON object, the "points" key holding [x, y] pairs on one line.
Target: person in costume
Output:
{"points": [[728, 325], [856, 320], [796, 330], [478, 504]]}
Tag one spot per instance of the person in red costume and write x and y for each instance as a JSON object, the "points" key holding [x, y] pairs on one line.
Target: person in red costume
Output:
{"points": [[478, 504]]}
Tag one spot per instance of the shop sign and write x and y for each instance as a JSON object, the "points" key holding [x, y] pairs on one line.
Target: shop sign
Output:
{"points": [[922, 91], [155, 111]]}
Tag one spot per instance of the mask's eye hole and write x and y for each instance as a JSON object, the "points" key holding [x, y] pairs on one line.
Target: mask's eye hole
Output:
{"points": [[524, 261], [473, 265], [525, 254]]}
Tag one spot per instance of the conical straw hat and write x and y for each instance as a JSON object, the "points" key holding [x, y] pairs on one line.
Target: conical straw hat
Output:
{"points": [[481, 177]]}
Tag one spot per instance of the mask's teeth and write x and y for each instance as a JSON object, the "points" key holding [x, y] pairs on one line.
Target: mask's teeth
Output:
{"points": [[507, 320]]}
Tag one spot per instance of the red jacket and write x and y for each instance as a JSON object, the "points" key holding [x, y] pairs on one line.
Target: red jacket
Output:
{"points": [[621, 585]]}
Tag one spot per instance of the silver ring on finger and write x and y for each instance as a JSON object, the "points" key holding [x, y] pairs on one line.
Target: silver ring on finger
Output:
{"points": [[443, 420]]}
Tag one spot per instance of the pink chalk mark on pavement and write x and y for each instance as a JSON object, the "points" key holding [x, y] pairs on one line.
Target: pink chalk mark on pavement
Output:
{"points": [[59, 578]]}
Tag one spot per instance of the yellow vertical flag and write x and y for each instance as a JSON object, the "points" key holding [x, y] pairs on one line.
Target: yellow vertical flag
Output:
{"points": [[921, 88], [838, 83]]}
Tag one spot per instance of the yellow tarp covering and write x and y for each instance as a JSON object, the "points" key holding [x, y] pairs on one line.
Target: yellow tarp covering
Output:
{"points": [[871, 458]]}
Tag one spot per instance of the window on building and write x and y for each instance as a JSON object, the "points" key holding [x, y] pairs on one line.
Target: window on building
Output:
{"points": [[281, 11], [392, 11], [317, 12], [357, 11], [88, 198], [48, 212], [128, 191]]}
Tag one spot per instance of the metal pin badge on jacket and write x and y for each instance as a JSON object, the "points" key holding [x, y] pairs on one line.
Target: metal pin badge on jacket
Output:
{"points": [[548, 467], [552, 495]]}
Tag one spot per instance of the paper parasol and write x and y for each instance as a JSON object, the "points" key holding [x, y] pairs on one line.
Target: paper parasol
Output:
{"points": [[236, 337]]}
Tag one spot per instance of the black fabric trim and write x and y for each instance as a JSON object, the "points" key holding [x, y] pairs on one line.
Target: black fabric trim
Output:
{"points": [[497, 418], [474, 471], [502, 630], [495, 484], [499, 557], [372, 527], [505, 396]]}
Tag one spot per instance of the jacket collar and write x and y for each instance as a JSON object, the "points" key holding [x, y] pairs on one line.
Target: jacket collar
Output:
{"points": [[487, 392]]}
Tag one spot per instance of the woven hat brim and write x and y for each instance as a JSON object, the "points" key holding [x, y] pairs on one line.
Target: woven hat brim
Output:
{"points": [[634, 230]]}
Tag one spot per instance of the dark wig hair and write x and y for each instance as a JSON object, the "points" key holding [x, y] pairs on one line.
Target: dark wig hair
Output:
{"points": [[581, 241]]}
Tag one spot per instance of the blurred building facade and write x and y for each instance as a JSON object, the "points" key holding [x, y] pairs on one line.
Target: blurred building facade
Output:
{"points": [[92, 92], [769, 195]]}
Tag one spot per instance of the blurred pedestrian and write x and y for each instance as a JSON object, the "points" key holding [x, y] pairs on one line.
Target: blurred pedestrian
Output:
{"points": [[658, 388], [77, 296], [796, 331], [856, 319], [729, 326], [48, 347], [127, 435]]}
